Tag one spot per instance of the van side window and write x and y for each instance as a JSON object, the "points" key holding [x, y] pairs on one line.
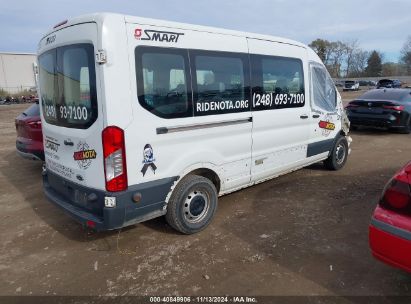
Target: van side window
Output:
{"points": [[278, 82], [220, 83], [162, 82], [324, 94]]}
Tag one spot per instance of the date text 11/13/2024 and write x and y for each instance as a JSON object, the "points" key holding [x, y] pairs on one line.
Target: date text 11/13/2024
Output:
{"points": [[203, 299]]}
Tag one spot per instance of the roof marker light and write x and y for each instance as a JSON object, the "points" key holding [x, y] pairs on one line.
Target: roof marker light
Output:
{"points": [[60, 24]]}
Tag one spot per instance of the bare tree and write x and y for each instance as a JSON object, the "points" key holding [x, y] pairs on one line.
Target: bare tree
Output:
{"points": [[347, 59], [358, 63], [336, 58], [391, 69], [350, 49], [406, 55]]}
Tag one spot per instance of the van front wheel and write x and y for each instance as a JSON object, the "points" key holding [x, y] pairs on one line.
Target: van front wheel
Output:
{"points": [[192, 204], [338, 156]]}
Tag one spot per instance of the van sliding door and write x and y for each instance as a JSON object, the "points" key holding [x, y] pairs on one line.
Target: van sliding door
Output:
{"points": [[280, 111]]}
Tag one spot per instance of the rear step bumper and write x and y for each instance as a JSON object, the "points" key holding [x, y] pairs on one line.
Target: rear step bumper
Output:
{"points": [[86, 205]]}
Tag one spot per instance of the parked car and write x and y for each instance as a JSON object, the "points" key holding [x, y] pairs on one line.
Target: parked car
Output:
{"points": [[339, 83], [388, 108], [372, 83], [390, 228], [29, 142], [351, 85], [367, 83], [388, 83]]}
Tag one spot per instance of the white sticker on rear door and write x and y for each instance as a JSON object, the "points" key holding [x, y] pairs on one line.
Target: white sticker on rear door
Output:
{"points": [[59, 169]]}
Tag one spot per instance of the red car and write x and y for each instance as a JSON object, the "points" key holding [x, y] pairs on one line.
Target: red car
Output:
{"points": [[29, 141], [390, 228]]}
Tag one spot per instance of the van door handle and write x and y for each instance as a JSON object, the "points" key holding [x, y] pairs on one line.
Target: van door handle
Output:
{"points": [[305, 116], [68, 142], [316, 116]]}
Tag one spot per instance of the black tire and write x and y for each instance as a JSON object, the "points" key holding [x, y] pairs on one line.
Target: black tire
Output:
{"points": [[192, 204], [338, 156]]}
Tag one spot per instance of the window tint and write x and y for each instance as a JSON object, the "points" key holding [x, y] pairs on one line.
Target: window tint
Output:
{"points": [[68, 86], [219, 84], [324, 94], [162, 82], [278, 82], [282, 76], [47, 83], [77, 95]]}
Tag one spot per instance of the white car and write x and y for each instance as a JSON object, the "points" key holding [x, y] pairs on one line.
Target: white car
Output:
{"points": [[351, 85]]}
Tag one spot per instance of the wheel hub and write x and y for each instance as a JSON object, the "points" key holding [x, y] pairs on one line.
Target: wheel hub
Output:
{"points": [[340, 154], [196, 206]]}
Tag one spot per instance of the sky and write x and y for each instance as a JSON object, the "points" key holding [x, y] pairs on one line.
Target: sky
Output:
{"points": [[382, 25]]}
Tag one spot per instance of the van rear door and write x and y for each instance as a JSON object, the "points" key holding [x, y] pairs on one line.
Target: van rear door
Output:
{"points": [[71, 114]]}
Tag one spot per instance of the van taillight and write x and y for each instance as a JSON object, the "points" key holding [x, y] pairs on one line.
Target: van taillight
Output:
{"points": [[114, 159], [397, 194]]}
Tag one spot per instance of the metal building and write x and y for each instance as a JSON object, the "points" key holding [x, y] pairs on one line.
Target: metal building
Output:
{"points": [[17, 71]]}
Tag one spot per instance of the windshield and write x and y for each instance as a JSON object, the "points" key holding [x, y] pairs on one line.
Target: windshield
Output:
{"points": [[68, 86]]}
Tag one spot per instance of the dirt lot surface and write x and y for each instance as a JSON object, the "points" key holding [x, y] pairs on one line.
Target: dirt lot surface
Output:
{"points": [[305, 233]]}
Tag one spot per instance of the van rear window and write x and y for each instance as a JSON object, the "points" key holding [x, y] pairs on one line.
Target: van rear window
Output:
{"points": [[68, 86]]}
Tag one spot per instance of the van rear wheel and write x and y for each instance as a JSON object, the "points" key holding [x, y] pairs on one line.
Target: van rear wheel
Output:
{"points": [[192, 204], [338, 156]]}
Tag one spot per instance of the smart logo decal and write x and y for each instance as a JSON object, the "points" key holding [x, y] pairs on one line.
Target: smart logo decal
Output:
{"points": [[50, 39], [84, 155], [148, 161], [326, 125], [152, 35], [51, 145]]}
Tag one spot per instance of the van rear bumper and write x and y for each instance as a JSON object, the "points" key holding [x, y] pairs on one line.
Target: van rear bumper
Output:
{"points": [[86, 205]]}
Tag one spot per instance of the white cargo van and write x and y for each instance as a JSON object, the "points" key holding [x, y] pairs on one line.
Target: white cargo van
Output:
{"points": [[144, 118]]}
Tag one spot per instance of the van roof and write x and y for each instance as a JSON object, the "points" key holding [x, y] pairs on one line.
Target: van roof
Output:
{"points": [[101, 18]]}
